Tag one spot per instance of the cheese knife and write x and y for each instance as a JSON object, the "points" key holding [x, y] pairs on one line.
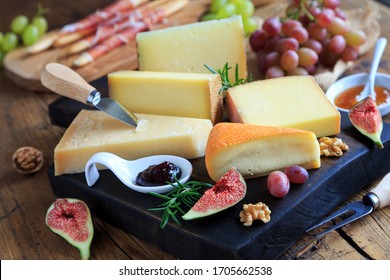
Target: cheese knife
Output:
{"points": [[66, 82], [377, 198]]}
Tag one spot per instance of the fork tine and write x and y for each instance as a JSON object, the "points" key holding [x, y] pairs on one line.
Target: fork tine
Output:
{"points": [[334, 215], [352, 218]]}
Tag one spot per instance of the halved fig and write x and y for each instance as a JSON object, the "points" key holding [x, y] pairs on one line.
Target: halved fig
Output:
{"points": [[71, 219], [366, 117], [227, 191]]}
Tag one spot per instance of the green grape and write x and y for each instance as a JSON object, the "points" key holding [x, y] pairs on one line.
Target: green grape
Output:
{"points": [[18, 24], [1, 38], [9, 42], [226, 11], [235, 2], [208, 16], [245, 8], [250, 25], [41, 23], [216, 5], [30, 35]]}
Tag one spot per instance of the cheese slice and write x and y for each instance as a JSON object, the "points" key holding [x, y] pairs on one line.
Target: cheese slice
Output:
{"points": [[193, 95], [94, 131], [258, 150], [187, 48], [296, 101]]}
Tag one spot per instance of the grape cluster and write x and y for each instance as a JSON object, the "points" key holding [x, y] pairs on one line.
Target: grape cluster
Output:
{"points": [[312, 33], [226, 8], [23, 32]]}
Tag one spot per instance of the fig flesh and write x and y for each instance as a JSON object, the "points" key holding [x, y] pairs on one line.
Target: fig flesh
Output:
{"points": [[71, 219], [227, 191], [366, 118]]}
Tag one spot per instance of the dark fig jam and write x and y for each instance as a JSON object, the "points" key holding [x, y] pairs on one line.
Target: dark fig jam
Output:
{"points": [[159, 174]]}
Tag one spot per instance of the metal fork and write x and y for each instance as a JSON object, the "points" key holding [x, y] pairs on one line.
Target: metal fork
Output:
{"points": [[378, 197]]}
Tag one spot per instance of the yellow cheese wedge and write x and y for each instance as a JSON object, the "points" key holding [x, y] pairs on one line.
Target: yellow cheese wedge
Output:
{"points": [[95, 131], [258, 150], [296, 101], [187, 48], [193, 95]]}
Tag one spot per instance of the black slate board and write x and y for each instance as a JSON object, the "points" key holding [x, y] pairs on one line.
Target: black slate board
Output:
{"points": [[222, 236]]}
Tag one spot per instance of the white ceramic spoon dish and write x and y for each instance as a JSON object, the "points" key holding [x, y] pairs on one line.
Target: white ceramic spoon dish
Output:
{"points": [[127, 170]]}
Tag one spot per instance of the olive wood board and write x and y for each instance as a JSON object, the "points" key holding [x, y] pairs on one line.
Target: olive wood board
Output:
{"points": [[223, 236]]}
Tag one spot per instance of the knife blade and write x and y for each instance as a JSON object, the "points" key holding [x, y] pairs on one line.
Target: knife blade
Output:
{"points": [[66, 82], [377, 198]]}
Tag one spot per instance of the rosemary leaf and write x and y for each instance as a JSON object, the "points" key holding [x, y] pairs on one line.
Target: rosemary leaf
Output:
{"points": [[182, 195], [224, 73]]}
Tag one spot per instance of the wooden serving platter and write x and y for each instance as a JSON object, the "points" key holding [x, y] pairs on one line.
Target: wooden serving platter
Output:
{"points": [[222, 236]]}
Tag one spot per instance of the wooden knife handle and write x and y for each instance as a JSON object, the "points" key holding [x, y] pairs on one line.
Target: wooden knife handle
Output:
{"points": [[382, 191], [66, 82]]}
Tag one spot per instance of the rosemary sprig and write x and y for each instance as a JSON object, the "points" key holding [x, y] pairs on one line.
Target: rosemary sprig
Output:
{"points": [[224, 73], [183, 195]]}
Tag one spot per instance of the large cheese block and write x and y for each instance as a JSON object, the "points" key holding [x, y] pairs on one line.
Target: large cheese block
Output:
{"points": [[296, 101], [94, 131], [187, 48], [258, 150], [193, 95]]}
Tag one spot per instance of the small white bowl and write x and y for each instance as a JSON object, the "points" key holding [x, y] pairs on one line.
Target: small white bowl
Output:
{"points": [[356, 80]]}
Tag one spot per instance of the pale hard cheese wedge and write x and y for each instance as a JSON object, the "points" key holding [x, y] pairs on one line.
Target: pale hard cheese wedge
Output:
{"points": [[258, 150], [95, 131], [193, 95], [296, 101], [187, 48]]}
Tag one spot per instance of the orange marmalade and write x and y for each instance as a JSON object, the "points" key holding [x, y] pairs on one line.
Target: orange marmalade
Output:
{"points": [[347, 98]]}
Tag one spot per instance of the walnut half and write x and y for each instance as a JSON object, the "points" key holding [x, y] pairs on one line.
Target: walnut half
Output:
{"points": [[252, 212], [332, 147], [27, 160]]}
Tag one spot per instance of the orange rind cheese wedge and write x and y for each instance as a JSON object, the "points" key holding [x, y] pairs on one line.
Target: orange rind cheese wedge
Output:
{"points": [[258, 150]]}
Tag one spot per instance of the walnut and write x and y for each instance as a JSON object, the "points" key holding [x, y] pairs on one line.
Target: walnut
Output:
{"points": [[332, 146], [27, 160], [251, 212]]}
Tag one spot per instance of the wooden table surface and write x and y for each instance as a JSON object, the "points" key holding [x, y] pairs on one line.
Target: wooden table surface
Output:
{"points": [[24, 199]]}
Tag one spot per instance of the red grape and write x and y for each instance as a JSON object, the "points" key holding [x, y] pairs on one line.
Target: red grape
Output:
{"points": [[316, 31], [300, 33], [272, 26], [314, 45], [278, 184], [337, 44], [333, 4], [271, 42], [325, 17], [289, 25], [296, 174], [355, 38], [271, 59], [274, 72], [257, 40], [349, 54], [286, 44], [289, 60], [337, 26], [307, 57]]}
